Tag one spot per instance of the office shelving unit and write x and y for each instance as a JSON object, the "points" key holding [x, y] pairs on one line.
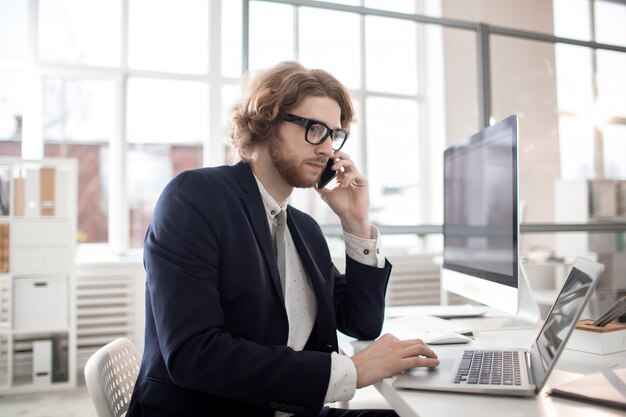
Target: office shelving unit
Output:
{"points": [[38, 212]]}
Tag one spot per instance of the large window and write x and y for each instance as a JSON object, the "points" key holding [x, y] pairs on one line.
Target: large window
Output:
{"points": [[591, 89], [140, 90], [125, 87], [382, 61]]}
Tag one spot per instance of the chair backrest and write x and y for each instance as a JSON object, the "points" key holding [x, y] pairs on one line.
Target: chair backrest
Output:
{"points": [[110, 375]]}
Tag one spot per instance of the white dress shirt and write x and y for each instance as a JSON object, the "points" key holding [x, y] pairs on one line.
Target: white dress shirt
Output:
{"points": [[301, 304]]}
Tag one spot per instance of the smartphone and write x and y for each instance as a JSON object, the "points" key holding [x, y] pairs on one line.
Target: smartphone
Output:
{"points": [[327, 175]]}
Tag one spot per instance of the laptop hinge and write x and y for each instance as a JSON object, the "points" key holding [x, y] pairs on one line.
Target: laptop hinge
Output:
{"points": [[529, 371]]}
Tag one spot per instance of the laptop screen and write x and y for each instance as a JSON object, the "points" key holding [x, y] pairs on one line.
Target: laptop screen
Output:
{"points": [[562, 318]]}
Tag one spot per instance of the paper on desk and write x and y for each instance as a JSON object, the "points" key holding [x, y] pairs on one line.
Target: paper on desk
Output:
{"points": [[606, 387], [445, 312]]}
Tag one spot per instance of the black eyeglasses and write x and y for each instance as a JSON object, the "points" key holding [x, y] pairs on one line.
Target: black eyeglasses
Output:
{"points": [[317, 132]]}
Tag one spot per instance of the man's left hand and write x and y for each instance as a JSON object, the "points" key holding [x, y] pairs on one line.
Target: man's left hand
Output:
{"points": [[350, 198]]}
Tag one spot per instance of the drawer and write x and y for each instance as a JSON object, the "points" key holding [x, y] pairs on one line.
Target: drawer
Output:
{"points": [[40, 304], [39, 260], [5, 304], [40, 233]]}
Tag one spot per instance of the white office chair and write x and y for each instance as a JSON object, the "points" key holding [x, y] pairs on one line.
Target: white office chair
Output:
{"points": [[110, 375]]}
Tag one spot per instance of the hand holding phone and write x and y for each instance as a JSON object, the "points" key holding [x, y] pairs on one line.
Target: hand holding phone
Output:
{"points": [[327, 175]]}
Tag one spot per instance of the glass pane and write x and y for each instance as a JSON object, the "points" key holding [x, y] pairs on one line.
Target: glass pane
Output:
{"points": [[611, 84], [78, 109], [231, 38], [614, 149], [391, 55], [14, 28], [149, 168], [12, 85], [230, 94], [78, 122], [402, 6], [271, 34], [450, 103], [169, 35], [354, 143], [80, 31], [393, 157], [534, 15], [330, 40], [610, 17], [451, 68], [93, 186], [576, 145], [574, 78], [348, 2], [572, 19], [165, 138], [177, 114], [524, 83]]}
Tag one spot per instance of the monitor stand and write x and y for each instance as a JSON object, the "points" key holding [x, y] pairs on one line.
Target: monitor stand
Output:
{"points": [[528, 313]]}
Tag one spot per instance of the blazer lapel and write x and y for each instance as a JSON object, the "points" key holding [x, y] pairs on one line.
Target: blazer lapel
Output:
{"points": [[257, 217], [324, 302]]}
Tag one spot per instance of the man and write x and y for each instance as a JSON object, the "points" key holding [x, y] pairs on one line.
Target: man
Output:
{"points": [[232, 329]]}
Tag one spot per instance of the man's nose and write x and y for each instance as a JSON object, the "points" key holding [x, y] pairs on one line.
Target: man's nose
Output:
{"points": [[326, 147]]}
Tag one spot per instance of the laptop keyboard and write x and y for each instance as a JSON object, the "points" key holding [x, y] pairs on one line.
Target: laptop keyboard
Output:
{"points": [[490, 367]]}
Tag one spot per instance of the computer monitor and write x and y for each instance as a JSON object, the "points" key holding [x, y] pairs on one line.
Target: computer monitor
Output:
{"points": [[480, 228]]}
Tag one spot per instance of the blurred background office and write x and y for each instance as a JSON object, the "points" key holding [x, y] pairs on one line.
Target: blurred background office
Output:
{"points": [[137, 91]]}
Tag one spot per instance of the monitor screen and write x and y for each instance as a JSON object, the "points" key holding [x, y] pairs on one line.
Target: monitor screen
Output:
{"points": [[480, 205]]}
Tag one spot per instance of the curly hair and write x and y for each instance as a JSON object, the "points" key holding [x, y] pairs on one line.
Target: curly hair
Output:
{"points": [[274, 92]]}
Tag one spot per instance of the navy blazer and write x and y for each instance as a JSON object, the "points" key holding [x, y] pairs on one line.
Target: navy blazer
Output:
{"points": [[216, 324]]}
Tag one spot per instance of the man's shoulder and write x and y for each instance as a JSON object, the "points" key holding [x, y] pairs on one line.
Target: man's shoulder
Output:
{"points": [[224, 174]]}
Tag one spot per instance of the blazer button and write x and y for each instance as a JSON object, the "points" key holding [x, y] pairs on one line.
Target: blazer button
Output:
{"points": [[299, 409], [291, 408], [273, 404]]}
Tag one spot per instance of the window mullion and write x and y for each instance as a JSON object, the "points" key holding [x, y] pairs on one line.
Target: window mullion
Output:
{"points": [[119, 228], [213, 149]]}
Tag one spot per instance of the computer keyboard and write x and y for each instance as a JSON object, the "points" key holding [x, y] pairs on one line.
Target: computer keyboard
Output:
{"points": [[432, 330], [493, 367]]}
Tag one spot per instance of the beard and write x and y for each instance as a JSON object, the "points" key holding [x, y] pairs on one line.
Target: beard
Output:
{"points": [[287, 166]]}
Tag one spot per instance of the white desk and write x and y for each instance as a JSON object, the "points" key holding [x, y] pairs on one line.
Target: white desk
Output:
{"points": [[571, 364]]}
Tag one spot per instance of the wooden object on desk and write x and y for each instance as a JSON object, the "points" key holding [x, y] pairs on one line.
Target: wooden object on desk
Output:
{"points": [[587, 325]]}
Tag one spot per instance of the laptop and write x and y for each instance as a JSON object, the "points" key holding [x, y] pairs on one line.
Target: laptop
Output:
{"points": [[512, 371]]}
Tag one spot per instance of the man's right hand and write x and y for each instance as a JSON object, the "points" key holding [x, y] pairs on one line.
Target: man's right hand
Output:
{"points": [[388, 356]]}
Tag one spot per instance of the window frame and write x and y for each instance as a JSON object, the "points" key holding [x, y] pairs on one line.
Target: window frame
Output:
{"points": [[36, 70]]}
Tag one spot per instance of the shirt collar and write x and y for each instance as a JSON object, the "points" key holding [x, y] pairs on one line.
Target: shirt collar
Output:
{"points": [[271, 206]]}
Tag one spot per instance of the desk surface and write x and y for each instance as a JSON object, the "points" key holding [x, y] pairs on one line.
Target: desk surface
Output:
{"points": [[572, 364]]}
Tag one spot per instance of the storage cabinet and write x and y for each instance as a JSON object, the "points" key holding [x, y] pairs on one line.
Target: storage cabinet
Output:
{"points": [[49, 295], [37, 274]]}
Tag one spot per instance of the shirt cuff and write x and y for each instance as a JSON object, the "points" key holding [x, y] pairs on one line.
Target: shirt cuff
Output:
{"points": [[366, 251], [342, 384]]}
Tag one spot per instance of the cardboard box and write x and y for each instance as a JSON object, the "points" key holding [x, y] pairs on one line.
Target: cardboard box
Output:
{"points": [[599, 340]]}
